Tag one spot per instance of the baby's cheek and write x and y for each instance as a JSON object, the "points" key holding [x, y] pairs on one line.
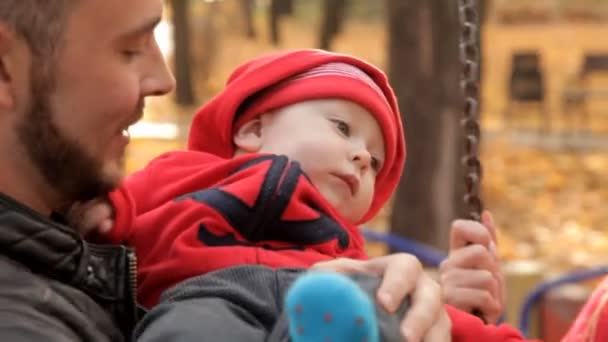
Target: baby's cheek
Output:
{"points": [[311, 157], [366, 196], [321, 183]]}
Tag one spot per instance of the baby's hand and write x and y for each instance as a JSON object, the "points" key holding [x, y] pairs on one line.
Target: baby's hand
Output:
{"points": [[471, 276], [92, 216]]}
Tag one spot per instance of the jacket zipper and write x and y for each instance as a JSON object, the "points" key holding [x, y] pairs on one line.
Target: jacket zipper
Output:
{"points": [[132, 257]]}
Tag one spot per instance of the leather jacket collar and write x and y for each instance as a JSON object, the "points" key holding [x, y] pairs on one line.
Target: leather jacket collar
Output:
{"points": [[105, 272]]}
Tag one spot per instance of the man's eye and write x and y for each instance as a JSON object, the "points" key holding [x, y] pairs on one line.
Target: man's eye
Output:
{"points": [[130, 54]]}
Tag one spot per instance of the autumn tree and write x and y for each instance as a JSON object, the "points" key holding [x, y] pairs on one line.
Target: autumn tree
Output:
{"points": [[182, 59], [333, 14], [424, 70], [278, 9]]}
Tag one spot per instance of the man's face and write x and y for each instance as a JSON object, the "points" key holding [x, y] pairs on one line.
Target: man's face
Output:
{"points": [[74, 127]]}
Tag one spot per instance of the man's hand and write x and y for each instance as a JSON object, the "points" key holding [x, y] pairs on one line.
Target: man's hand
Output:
{"points": [[402, 274], [92, 216], [471, 277]]}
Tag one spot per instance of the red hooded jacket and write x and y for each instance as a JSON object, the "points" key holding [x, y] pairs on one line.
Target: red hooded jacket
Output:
{"points": [[468, 328], [188, 213]]}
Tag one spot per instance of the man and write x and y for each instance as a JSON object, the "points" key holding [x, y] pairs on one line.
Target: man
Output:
{"points": [[73, 77]]}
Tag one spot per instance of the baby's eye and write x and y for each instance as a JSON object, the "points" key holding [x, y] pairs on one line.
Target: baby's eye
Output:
{"points": [[376, 164], [342, 126]]}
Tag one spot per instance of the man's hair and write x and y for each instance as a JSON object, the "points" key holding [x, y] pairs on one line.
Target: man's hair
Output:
{"points": [[39, 22]]}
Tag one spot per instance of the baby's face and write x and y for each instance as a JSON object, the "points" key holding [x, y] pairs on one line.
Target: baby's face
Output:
{"points": [[339, 145]]}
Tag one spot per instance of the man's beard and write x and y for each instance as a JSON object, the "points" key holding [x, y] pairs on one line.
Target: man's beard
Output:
{"points": [[71, 172]]}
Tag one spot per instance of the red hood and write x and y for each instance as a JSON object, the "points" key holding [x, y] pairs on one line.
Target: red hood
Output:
{"points": [[212, 126]]}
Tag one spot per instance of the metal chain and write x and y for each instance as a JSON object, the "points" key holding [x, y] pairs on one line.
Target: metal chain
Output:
{"points": [[469, 56]]}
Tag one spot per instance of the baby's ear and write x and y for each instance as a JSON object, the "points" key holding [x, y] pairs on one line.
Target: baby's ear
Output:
{"points": [[248, 138]]}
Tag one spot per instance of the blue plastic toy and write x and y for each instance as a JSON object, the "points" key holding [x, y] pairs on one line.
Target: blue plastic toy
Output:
{"points": [[330, 307]]}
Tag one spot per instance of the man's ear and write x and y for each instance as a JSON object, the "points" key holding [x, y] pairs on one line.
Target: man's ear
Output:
{"points": [[6, 83], [248, 138]]}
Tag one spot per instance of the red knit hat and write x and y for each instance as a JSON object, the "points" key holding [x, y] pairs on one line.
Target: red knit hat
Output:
{"points": [[331, 80], [281, 79]]}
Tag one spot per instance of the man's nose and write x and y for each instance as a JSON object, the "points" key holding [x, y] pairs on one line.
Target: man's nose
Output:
{"points": [[158, 80]]}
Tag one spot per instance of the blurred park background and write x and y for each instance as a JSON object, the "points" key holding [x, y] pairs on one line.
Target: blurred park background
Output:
{"points": [[544, 117]]}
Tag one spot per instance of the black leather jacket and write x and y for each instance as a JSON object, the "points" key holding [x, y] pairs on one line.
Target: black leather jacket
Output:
{"points": [[56, 287]]}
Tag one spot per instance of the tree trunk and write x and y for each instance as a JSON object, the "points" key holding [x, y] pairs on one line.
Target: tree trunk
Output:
{"points": [[208, 39], [247, 9], [275, 14], [424, 70], [333, 13], [184, 93], [278, 9]]}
